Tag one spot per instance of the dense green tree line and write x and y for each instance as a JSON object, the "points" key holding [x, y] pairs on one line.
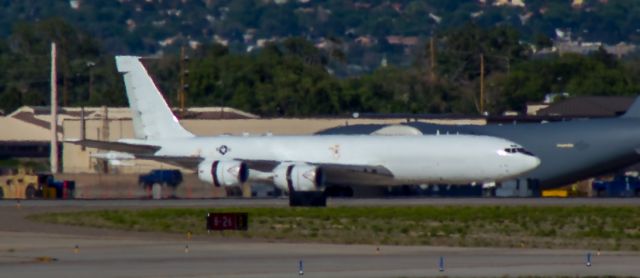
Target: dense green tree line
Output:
{"points": [[25, 67], [293, 78], [596, 74]]}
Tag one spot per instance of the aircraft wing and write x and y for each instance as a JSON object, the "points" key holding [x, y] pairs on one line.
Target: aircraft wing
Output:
{"points": [[334, 173], [134, 149], [356, 174], [338, 173]]}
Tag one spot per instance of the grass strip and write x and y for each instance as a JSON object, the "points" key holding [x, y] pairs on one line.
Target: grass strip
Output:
{"points": [[593, 227]]}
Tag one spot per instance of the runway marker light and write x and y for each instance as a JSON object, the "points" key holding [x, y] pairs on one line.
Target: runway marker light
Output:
{"points": [[441, 264], [378, 250], [76, 249], [18, 205], [300, 268], [598, 252], [186, 248], [589, 259], [189, 235]]}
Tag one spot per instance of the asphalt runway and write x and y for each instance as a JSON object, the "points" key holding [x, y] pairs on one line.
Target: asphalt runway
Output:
{"points": [[29, 249]]}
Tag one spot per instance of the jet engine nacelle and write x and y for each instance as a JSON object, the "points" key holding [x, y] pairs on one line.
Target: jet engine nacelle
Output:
{"points": [[223, 172], [299, 177]]}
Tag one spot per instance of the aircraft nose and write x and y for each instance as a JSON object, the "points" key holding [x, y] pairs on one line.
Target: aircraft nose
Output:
{"points": [[532, 162]]}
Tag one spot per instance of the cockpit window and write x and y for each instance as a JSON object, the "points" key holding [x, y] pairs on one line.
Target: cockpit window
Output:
{"points": [[524, 151], [517, 149]]}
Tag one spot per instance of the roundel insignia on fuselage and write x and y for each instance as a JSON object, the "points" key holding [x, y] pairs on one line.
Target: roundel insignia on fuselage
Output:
{"points": [[223, 149]]}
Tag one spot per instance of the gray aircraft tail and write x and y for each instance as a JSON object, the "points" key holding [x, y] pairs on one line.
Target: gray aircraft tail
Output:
{"points": [[634, 110]]}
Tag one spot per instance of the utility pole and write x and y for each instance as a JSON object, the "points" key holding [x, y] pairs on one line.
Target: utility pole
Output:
{"points": [[83, 127], [481, 83], [182, 96], [508, 66], [65, 81], [105, 123], [54, 112], [105, 135], [90, 65], [432, 66]]}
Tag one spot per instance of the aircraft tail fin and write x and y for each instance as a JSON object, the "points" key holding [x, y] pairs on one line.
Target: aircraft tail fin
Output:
{"points": [[152, 118], [634, 110]]}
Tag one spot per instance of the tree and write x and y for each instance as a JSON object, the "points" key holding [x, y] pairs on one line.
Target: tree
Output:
{"points": [[26, 64]]}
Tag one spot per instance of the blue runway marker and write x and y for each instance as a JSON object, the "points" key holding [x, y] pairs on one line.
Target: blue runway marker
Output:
{"points": [[300, 268], [589, 259], [441, 264]]}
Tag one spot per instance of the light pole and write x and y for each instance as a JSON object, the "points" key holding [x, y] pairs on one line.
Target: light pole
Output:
{"points": [[90, 65], [184, 73]]}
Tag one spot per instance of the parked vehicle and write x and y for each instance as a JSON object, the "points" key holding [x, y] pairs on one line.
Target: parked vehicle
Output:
{"points": [[156, 179], [163, 177], [25, 184], [619, 186]]}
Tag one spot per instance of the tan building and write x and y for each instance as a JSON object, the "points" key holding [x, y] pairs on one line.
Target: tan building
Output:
{"points": [[23, 134]]}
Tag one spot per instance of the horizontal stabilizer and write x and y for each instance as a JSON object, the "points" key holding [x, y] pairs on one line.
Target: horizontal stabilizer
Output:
{"points": [[117, 146], [189, 162]]}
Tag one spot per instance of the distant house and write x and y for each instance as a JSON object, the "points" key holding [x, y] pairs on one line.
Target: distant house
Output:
{"points": [[400, 40], [512, 3], [221, 40], [74, 4], [577, 4], [436, 18], [168, 41], [362, 5], [366, 41]]}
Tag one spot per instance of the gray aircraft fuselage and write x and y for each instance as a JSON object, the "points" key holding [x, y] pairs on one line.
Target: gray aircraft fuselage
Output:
{"points": [[569, 151]]}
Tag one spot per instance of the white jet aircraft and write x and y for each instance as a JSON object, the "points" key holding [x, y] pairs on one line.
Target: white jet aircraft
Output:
{"points": [[301, 164]]}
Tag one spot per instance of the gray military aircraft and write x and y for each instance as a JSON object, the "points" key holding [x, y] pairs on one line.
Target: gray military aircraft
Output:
{"points": [[569, 151]]}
